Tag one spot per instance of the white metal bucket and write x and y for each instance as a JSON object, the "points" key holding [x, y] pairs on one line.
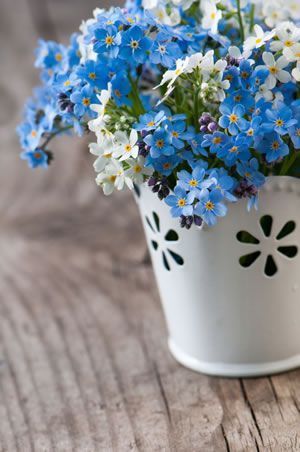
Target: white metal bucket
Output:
{"points": [[227, 315]]}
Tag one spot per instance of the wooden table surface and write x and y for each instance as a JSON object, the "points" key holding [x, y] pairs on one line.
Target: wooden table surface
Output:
{"points": [[84, 364]]}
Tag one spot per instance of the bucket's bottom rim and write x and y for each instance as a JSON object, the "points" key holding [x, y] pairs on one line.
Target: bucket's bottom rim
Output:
{"points": [[233, 370]]}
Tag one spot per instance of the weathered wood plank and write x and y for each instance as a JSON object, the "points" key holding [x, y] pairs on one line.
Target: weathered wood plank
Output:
{"points": [[84, 364]]}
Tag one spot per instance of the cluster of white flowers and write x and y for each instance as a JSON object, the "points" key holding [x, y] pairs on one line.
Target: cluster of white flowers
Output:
{"points": [[118, 163], [210, 73], [272, 12], [286, 44]]}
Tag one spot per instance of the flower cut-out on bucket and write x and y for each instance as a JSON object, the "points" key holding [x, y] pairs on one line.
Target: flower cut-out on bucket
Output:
{"points": [[266, 224], [161, 241]]}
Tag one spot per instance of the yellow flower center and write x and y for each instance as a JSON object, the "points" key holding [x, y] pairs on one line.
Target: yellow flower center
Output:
{"points": [[275, 145], [37, 155], [128, 148], [288, 43], [150, 123], [134, 44], [181, 202], [175, 134], [209, 205], [233, 118], [112, 178], [233, 149], [58, 57], [117, 93], [33, 133], [213, 15], [217, 140], [92, 75], [67, 83], [193, 183], [109, 40], [273, 69], [258, 41], [86, 101], [166, 166], [137, 168], [250, 132], [279, 122], [160, 144]]}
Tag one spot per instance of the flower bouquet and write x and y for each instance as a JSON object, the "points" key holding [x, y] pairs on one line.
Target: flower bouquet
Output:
{"points": [[195, 106]]}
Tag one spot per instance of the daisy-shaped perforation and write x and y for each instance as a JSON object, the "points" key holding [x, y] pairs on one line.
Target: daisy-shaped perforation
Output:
{"points": [[287, 250], [160, 241]]}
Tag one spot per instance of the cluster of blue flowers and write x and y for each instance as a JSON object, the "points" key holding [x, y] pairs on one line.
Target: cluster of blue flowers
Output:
{"points": [[228, 118]]}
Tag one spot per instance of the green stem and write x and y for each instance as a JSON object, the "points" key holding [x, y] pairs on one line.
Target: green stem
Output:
{"points": [[137, 103], [57, 132], [252, 12], [239, 14], [196, 107], [288, 163]]}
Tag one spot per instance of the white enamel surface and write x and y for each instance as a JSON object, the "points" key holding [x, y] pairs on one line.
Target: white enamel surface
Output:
{"points": [[224, 319]]}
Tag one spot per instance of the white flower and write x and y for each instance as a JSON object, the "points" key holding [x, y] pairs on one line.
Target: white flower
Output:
{"points": [[214, 70], [98, 124], [150, 4], [126, 146], [182, 67], [276, 69], [274, 13], [213, 91], [207, 63], [288, 35], [296, 72], [264, 92], [113, 177], [293, 8], [171, 75], [235, 53], [103, 149], [211, 16], [166, 17], [185, 66], [255, 42], [138, 170], [193, 61], [184, 4], [292, 53]]}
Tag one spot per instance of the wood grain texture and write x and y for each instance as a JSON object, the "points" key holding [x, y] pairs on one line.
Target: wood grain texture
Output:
{"points": [[84, 364]]}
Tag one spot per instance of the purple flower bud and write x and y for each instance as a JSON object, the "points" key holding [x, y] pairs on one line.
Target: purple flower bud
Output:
{"points": [[212, 127], [207, 123], [198, 220], [152, 181], [231, 61], [186, 222], [245, 190]]}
